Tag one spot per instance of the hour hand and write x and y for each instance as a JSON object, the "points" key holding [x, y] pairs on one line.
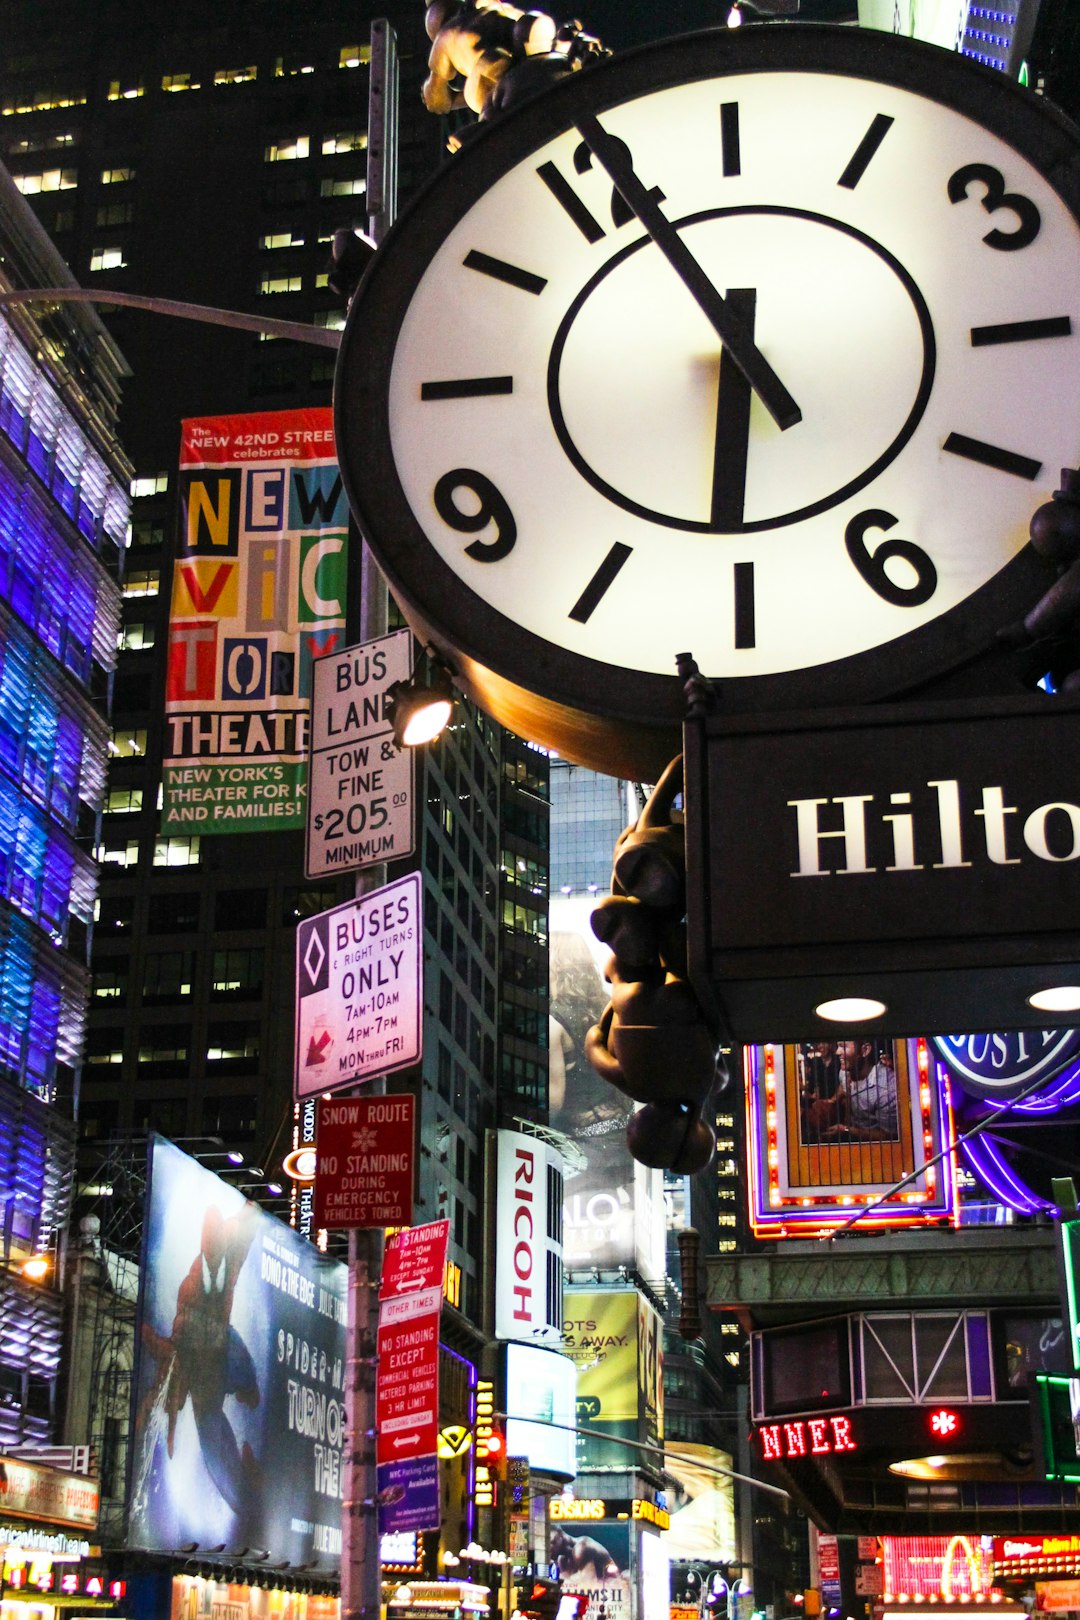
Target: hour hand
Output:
{"points": [[738, 342]]}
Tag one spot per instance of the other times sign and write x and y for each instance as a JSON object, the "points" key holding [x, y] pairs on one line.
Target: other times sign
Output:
{"points": [[359, 989]]}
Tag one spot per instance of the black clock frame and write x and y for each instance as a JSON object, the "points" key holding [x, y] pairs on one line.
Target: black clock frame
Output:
{"points": [[619, 719]]}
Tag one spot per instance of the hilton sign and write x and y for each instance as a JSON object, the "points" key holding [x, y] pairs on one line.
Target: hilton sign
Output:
{"points": [[925, 856]]}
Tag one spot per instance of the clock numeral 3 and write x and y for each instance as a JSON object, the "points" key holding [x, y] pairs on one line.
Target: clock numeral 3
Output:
{"points": [[492, 508], [994, 197], [871, 564]]}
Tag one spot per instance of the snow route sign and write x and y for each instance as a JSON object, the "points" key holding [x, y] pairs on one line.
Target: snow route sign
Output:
{"points": [[365, 1161], [359, 989]]}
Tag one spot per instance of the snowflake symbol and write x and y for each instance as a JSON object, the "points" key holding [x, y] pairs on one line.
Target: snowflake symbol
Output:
{"points": [[364, 1140]]}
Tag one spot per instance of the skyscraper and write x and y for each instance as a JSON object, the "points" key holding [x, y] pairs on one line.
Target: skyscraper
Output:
{"points": [[63, 513]]}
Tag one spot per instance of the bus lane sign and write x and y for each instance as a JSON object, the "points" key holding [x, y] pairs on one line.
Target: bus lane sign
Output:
{"points": [[359, 989]]}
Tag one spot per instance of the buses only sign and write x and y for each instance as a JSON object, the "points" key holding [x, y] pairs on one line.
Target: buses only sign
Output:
{"points": [[359, 989], [364, 1161]]}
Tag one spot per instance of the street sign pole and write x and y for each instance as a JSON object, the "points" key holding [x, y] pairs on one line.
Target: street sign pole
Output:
{"points": [[361, 1573]]}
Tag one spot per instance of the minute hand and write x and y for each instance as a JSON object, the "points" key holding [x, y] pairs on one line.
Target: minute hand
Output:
{"points": [[736, 339]]}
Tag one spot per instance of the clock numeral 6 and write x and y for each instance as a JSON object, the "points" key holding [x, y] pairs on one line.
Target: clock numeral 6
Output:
{"points": [[871, 564], [994, 197], [492, 508]]}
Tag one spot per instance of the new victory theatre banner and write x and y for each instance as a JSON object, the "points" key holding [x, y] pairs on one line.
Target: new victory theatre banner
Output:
{"points": [[258, 595]]}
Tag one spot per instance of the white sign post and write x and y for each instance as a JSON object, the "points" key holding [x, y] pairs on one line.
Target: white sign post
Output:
{"points": [[359, 988], [360, 786]]}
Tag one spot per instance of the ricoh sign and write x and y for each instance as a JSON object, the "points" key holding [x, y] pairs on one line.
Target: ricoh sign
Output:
{"points": [[528, 1249], [928, 857]]}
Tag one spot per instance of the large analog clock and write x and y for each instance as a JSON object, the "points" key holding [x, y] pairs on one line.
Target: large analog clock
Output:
{"points": [[761, 345]]}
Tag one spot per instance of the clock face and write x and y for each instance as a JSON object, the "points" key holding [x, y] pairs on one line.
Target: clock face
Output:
{"points": [[560, 462]]}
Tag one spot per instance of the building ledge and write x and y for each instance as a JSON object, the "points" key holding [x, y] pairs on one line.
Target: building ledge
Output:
{"points": [[978, 1267]]}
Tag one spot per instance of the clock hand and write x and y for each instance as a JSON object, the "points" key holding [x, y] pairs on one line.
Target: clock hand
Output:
{"points": [[737, 341], [732, 424]]}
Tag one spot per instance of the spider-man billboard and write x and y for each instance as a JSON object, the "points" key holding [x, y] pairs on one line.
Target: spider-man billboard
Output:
{"points": [[239, 1407]]}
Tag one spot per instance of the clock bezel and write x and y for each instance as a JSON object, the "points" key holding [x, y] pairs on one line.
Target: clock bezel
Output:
{"points": [[625, 720]]}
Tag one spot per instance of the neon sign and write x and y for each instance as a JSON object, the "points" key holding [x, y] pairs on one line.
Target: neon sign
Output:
{"points": [[944, 1423], [806, 1437]]}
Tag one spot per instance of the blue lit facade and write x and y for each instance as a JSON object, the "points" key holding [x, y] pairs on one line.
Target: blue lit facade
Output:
{"points": [[64, 491]]}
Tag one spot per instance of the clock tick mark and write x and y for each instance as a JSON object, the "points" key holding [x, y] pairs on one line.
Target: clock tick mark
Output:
{"points": [[729, 138], [745, 625], [1051, 326], [512, 274], [466, 387], [992, 455], [864, 153], [590, 597], [568, 199]]}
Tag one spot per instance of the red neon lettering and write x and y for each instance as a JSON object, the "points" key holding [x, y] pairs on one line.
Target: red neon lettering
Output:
{"points": [[795, 1438], [770, 1441], [843, 1439], [819, 1435]]}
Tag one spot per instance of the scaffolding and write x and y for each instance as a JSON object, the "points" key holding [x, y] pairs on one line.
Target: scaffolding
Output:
{"points": [[103, 1268]]}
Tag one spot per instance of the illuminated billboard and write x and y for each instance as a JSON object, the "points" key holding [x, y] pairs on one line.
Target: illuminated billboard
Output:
{"points": [[258, 594], [613, 1210], [595, 1559], [701, 1501], [615, 1337], [541, 1386], [239, 1391], [528, 1253], [838, 1123]]}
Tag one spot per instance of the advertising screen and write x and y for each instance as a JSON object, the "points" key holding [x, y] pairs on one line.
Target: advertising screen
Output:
{"points": [[528, 1253], [258, 594], [601, 1334], [701, 1500], [540, 1389], [613, 1211], [597, 1562], [239, 1408]]}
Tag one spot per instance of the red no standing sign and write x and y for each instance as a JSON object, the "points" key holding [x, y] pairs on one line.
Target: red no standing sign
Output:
{"points": [[364, 1161]]}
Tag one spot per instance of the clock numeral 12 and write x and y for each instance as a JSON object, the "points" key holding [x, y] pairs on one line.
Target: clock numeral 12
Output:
{"points": [[871, 564], [568, 199]]}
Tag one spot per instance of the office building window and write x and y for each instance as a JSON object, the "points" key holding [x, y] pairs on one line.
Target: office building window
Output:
{"points": [[142, 582], [107, 258], [126, 89], [135, 637], [31, 185], [178, 81], [236, 75], [151, 484], [346, 187], [167, 976], [117, 176], [114, 214], [177, 851], [288, 149], [348, 140]]}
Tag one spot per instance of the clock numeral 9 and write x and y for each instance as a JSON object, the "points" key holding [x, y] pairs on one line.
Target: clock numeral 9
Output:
{"points": [[994, 197], [492, 508], [871, 564]]}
